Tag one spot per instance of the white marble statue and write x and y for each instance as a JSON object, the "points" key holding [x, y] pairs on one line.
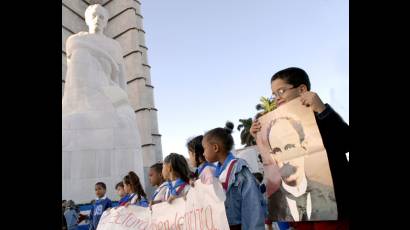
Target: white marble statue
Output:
{"points": [[101, 141]]}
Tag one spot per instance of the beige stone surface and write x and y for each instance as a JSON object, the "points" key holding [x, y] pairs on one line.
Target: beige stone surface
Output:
{"points": [[133, 63], [133, 43]]}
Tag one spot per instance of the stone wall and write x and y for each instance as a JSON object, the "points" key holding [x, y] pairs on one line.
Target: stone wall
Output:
{"points": [[125, 25]]}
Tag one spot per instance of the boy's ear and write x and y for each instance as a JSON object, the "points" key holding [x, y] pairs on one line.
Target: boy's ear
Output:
{"points": [[215, 147], [303, 88]]}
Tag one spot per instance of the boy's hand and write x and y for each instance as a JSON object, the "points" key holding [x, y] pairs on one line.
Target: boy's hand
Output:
{"points": [[127, 204], [262, 141], [256, 127], [313, 100]]}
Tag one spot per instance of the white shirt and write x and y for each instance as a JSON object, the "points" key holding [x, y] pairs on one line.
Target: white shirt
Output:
{"points": [[102, 198], [161, 190], [133, 199], [297, 191], [181, 193], [222, 176]]}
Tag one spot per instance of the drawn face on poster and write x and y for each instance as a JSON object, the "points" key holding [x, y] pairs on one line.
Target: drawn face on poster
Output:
{"points": [[290, 137], [288, 148]]}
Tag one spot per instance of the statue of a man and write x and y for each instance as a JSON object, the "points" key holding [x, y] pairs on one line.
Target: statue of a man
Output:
{"points": [[94, 63], [101, 140]]}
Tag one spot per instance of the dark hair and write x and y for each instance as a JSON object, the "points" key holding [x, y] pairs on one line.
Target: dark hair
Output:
{"points": [[133, 180], [258, 176], [102, 184], [120, 184], [179, 165], [294, 76], [222, 136], [157, 167], [195, 146], [70, 204]]}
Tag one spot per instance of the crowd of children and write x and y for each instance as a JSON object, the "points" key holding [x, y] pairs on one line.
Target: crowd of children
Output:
{"points": [[211, 155]]}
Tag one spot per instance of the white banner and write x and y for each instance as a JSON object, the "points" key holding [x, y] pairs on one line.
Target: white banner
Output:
{"points": [[203, 209]]}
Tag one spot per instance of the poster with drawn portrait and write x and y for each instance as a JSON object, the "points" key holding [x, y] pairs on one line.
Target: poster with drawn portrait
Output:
{"points": [[290, 137]]}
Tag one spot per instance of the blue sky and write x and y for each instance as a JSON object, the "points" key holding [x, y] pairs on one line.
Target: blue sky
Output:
{"points": [[212, 60]]}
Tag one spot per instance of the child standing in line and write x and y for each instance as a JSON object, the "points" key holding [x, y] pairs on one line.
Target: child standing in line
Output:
{"points": [[136, 194], [156, 179], [244, 201], [121, 193], [205, 170], [101, 204], [176, 171]]}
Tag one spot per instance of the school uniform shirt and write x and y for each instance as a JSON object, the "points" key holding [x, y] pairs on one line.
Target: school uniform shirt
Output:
{"points": [[176, 188], [206, 172], [159, 193], [101, 204], [244, 201], [143, 202], [123, 200], [133, 199]]}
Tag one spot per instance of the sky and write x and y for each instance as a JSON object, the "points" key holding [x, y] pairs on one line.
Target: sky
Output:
{"points": [[212, 60]]}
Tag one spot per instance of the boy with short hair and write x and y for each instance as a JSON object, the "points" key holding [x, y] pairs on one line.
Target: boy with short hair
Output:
{"points": [[101, 204], [291, 83], [156, 179]]}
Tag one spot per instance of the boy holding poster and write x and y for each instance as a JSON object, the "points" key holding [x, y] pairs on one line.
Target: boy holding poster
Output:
{"points": [[287, 85]]}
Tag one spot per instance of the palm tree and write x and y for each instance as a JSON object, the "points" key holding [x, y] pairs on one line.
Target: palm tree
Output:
{"points": [[266, 105], [246, 137]]}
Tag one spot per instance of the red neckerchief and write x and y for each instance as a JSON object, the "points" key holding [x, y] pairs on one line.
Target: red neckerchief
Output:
{"points": [[228, 174]]}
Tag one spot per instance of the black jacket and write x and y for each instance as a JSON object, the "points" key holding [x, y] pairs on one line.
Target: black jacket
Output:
{"points": [[335, 137]]}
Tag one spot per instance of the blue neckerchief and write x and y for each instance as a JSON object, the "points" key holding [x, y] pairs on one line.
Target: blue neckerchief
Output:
{"points": [[154, 194], [143, 202], [129, 198], [123, 199], [157, 191], [220, 168], [173, 189], [201, 168]]}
